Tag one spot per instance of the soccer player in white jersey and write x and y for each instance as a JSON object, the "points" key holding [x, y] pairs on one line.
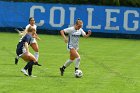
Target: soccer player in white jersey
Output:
{"points": [[74, 33], [33, 44]]}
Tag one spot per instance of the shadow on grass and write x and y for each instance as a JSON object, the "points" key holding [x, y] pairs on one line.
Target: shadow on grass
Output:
{"points": [[7, 64], [57, 76], [4, 75]]}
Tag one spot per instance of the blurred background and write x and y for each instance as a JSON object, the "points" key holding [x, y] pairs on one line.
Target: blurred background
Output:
{"points": [[132, 3]]}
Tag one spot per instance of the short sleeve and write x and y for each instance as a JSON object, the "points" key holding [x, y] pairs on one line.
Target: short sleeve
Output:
{"points": [[27, 39], [82, 32], [68, 30], [26, 28]]}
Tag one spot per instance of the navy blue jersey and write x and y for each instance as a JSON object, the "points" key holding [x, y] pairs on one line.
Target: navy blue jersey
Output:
{"points": [[21, 45]]}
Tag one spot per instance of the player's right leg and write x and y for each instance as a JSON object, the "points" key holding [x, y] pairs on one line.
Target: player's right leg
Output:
{"points": [[28, 57], [19, 52], [66, 64], [73, 55]]}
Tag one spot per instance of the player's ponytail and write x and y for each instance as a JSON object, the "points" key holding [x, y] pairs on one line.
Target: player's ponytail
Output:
{"points": [[78, 20]]}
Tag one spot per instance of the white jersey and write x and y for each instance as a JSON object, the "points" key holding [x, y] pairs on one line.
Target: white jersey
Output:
{"points": [[73, 39], [35, 27]]}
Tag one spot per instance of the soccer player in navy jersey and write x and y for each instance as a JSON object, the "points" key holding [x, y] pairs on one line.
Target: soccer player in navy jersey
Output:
{"points": [[74, 33], [34, 43], [22, 51]]}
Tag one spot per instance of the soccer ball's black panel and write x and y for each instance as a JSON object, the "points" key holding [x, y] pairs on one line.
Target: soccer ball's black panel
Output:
{"points": [[78, 73]]}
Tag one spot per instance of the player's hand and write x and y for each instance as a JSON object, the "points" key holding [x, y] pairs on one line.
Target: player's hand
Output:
{"points": [[38, 38], [89, 32], [65, 40]]}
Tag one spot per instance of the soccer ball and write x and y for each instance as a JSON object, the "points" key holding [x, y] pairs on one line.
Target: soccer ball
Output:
{"points": [[78, 73]]}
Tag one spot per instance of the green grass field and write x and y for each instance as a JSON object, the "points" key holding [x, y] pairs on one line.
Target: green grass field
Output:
{"points": [[109, 66]]}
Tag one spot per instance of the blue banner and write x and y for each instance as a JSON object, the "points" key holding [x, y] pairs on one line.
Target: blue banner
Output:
{"points": [[106, 19]]}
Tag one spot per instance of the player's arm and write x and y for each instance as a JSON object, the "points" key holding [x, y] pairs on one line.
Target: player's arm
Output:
{"points": [[21, 33], [27, 39], [27, 47], [88, 34], [64, 36], [36, 36]]}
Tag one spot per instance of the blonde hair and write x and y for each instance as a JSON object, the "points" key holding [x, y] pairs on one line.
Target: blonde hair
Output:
{"points": [[78, 21], [30, 29], [24, 32]]}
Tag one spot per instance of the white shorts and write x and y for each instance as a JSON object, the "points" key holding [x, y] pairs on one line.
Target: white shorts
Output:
{"points": [[70, 47], [33, 40]]}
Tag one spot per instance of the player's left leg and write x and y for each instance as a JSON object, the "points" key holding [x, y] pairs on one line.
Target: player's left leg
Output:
{"points": [[77, 61], [16, 59], [75, 55], [35, 47]]}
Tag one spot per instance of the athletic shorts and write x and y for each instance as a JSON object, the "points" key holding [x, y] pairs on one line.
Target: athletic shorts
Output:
{"points": [[20, 52], [70, 47]]}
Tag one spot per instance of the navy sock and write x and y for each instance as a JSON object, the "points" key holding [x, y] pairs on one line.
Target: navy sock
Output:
{"points": [[30, 68], [30, 71], [28, 65]]}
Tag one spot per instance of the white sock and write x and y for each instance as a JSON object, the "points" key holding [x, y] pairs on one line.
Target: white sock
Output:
{"points": [[68, 62], [77, 62], [17, 57], [36, 54]]}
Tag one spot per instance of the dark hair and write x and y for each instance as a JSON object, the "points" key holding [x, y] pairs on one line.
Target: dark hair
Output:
{"points": [[30, 18]]}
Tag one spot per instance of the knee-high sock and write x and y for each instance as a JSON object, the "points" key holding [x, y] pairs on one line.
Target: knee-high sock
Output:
{"points": [[68, 62], [17, 57], [28, 65], [36, 54], [30, 71], [77, 62]]}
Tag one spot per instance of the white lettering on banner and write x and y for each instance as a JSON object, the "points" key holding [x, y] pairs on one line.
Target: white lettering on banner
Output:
{"points": [[52, 16], [109, 19], [136, 23], [32, 13], [89, 25], [112, 16], [72, 13]]}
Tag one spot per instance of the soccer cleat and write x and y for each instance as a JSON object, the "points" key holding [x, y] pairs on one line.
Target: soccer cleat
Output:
{"points": [[61, 71], [24, 72], [16, 61], [36, 63]]}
